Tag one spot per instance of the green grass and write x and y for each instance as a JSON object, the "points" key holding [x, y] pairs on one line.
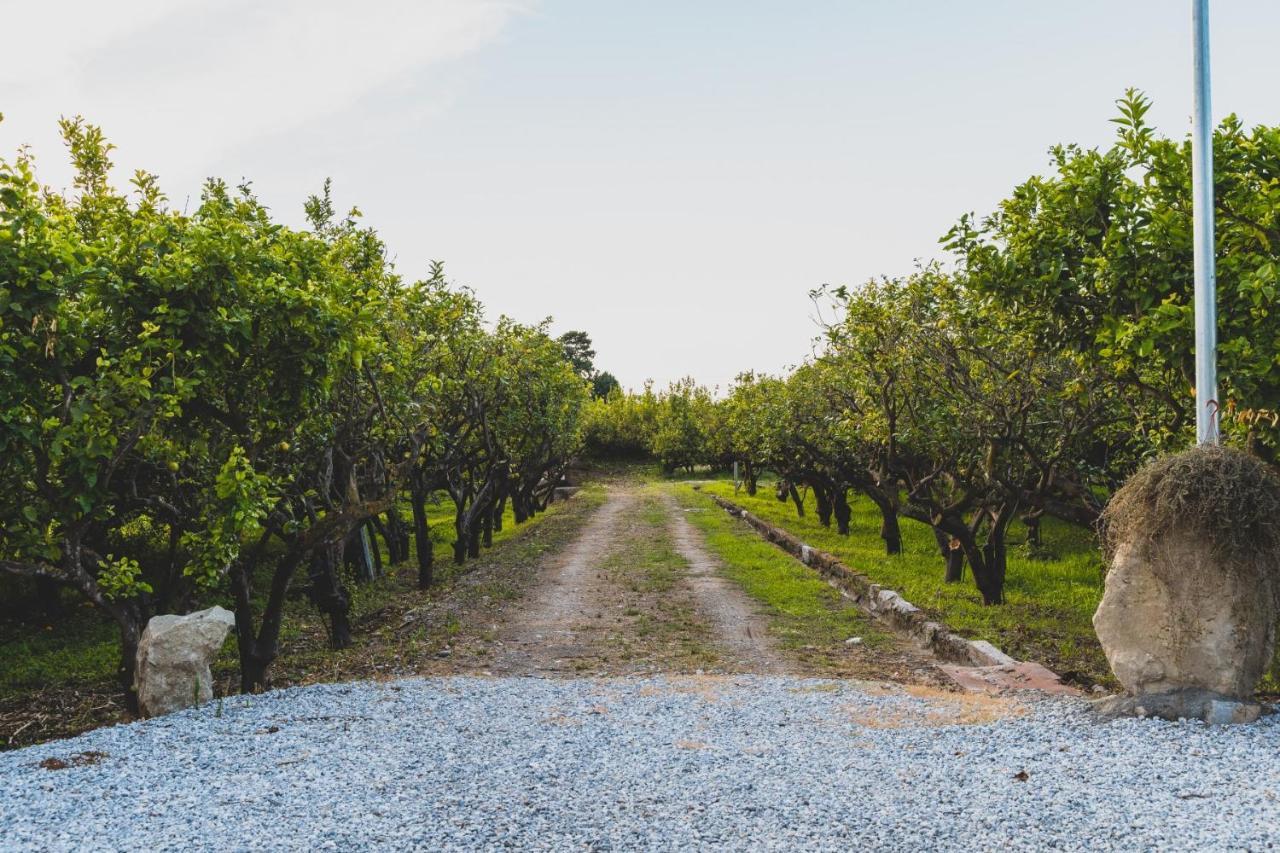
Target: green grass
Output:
{"points": [[647, 562], [1050, 602], [804, 610], [80, 647]]}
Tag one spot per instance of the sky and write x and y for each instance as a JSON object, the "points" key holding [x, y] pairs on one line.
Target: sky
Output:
{"points": [[673, 177]]}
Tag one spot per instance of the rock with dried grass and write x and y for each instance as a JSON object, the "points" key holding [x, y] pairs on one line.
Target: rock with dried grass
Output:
{"points": [[1188, 617]]}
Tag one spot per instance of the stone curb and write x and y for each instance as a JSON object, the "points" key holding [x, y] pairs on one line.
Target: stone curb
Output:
{"points": [[890, 608]]}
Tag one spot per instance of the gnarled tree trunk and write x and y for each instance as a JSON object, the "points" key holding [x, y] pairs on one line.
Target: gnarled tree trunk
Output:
{"points": [[890, 531], [842, 511], [823, 500], [422, 538], [952, 555], [328, 593]]}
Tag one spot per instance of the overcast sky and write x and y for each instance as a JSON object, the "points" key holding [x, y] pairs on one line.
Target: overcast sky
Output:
{"points": [[671, 176]]}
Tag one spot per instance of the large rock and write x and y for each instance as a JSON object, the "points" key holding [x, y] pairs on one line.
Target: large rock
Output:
{"points": [[1183, 629], [173, 660]]}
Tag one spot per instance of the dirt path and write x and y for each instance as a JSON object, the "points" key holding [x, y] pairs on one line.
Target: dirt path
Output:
{"points": [[637, 591], [563, 623], [740, 627]]}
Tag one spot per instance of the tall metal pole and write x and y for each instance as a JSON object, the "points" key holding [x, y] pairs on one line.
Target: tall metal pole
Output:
{"points": [[1202, 214]]}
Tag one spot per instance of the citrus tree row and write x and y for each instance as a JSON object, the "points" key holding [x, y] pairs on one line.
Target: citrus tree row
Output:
{"points": [[213, 404], [1033, 376]]}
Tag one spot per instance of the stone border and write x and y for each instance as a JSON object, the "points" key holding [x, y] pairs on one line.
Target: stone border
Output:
{"points": [[997, 669]]}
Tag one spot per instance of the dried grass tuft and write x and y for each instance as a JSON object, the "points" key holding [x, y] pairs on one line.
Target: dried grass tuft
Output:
{"points": [[1229, 499]]}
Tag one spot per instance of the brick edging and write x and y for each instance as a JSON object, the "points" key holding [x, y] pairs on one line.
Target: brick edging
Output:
{"points": [[884, 604]]}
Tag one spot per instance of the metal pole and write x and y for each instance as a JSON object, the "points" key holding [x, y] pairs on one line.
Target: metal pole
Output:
{"points": [[1202, 214]]}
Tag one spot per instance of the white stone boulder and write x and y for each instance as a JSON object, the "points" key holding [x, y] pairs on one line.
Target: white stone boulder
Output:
{"points": [[174, 655], [1172, 618]]}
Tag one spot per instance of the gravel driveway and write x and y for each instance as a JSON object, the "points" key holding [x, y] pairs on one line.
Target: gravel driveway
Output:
{"points": [[740, 762]]}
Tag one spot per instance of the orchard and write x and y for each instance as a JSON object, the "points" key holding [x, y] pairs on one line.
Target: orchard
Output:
{"points": [[209, 406]]}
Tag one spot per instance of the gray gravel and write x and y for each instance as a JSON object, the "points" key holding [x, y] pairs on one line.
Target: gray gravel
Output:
{"points": [[739, 762]]}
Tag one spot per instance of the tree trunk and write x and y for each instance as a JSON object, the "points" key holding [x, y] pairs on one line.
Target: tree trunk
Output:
{"points": [[459, 537], [474, 533], [499, 512], [340, 627], [380, 529], [393, 533], [996, 555], [843, 514], [890, 531], [422, 539], [253, 671], [329, 595], [131, 625], [984, 577], [955, 562], [258, 650], [486, 521], [824, 506], [397, 527], [952, 555], [751, 477], [1032, 523]]}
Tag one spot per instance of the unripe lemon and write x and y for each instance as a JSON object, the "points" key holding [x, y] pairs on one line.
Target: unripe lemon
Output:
{"points": [[284, 447], [173, 466]]}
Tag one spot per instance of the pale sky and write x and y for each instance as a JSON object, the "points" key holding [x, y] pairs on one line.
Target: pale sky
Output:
{"points": [[671, 176]]}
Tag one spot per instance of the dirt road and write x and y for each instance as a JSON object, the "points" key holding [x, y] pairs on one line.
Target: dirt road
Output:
{"points": [[638, 591]]}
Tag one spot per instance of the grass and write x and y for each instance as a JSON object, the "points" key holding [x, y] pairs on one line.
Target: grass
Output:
{"points": [[647, 562], [79, 647], [1050, 602], [661, 626], [805, 612]]}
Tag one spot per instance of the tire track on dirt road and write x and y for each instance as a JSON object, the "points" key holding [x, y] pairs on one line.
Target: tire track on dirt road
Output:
{"points": [[741, 629]]}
